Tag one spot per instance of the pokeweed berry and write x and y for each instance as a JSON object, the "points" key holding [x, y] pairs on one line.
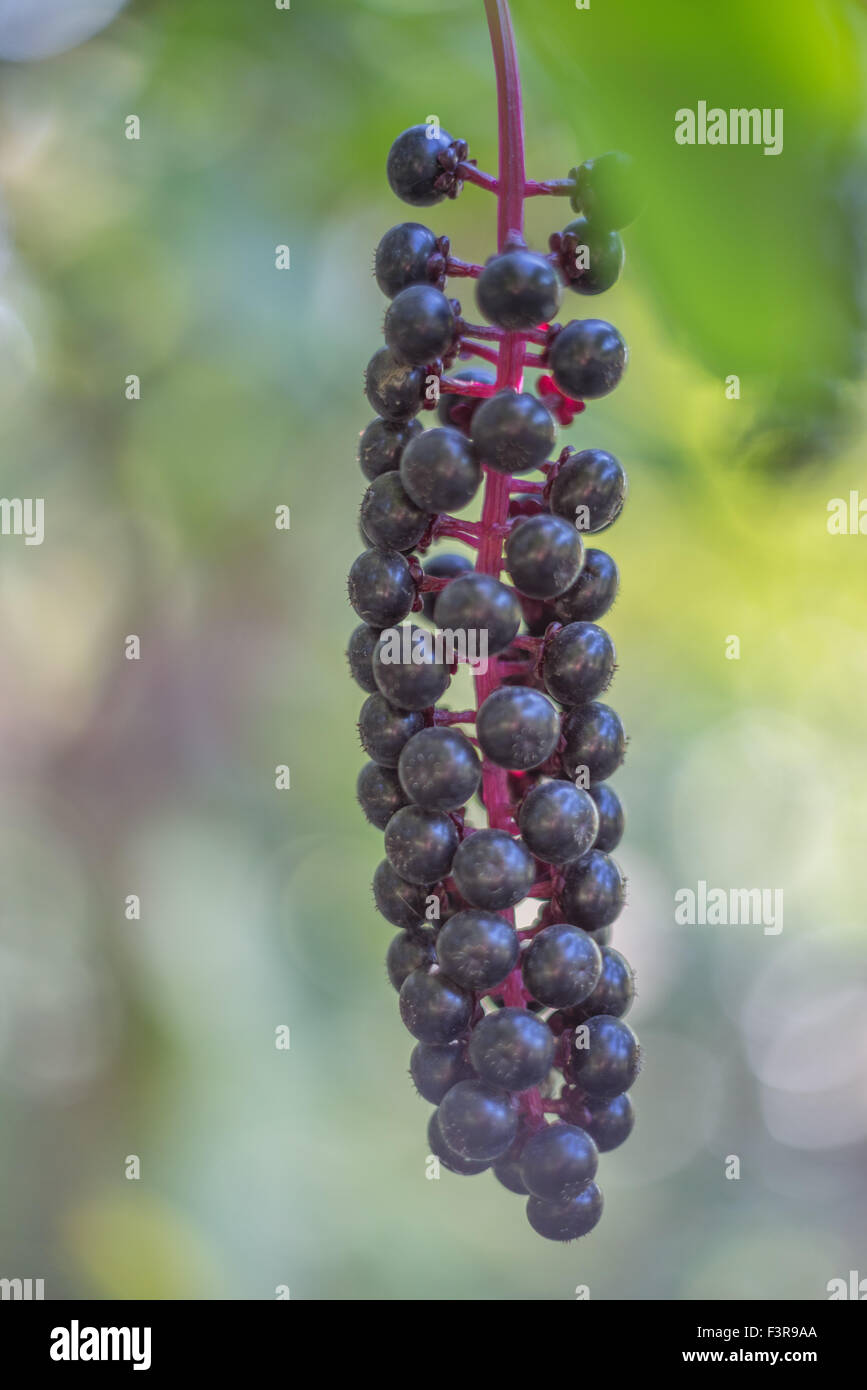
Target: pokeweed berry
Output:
{"points": [[515, 805]]}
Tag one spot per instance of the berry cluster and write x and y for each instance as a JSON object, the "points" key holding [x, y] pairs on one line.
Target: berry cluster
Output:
{"points": [[520, 1038]]}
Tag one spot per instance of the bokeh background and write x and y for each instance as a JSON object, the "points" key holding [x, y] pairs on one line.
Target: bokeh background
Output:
{"points": [[306, 1168]]}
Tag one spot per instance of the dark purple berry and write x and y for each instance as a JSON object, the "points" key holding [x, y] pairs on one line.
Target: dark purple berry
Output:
{"points": [[609, 1122], [439, 769], [606, 1061], [420, 845], [591, 258], [439, 470], [381, 587], [477, 949], [595, 740], [493, 870], [444, 566], [513, 432], [544, 555], [613, 992], [379, 793], [593, 891], [436, 1067], [558, 822], [420, 325], [403, 256], [587, 359], [407, 952], [611, 817], [517, 728], [508, 1172], [382, 443], [557, 1162], [519, 289], [401, 903], [360, 655], [457, 410], [512, 1048], [578, 663], [433, 1007], [479, 604], [413, 167], [561, 966], [589, 490], [477, 1121], [384, 729], [606, 190], [406, 670], [592, 594], [389, 517], [566, 1220], [394, 389]]}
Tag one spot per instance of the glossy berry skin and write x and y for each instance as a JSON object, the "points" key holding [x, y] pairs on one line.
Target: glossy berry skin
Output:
{"points": [[413, 166], [449, 1160], [493, 870], [558, 822], [561, 966], [517, 727], [610, 1122], [444, 566], [436, 1067], [477, 949], [593, 592], [402, 257], [508, 1172], [595, 739], [613, 993], [518, 289], [415, 683], [384, 730], [433, 1008], [401, 903], [578, 663], [480, 603], [420, 845], [394, 389], [544, 555], [592, 479], [381, 588], [611, 817], [389, 517], [457, 410], [606, 190], [602, 249], [439, 769], [610, 1061], [477, 1121], [420, 325], [569, 1219], [593, 891], [513, 432], [409, 951], [557, 1161], [382, 443], [439, 470], [379, 793], [512, 1048], [360, 655], [587, 359]]}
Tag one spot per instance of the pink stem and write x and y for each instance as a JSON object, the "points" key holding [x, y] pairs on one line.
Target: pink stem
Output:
{"points": [[458, 267], [470, 174], [557, 187], [466, 388], [471, 349]]}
